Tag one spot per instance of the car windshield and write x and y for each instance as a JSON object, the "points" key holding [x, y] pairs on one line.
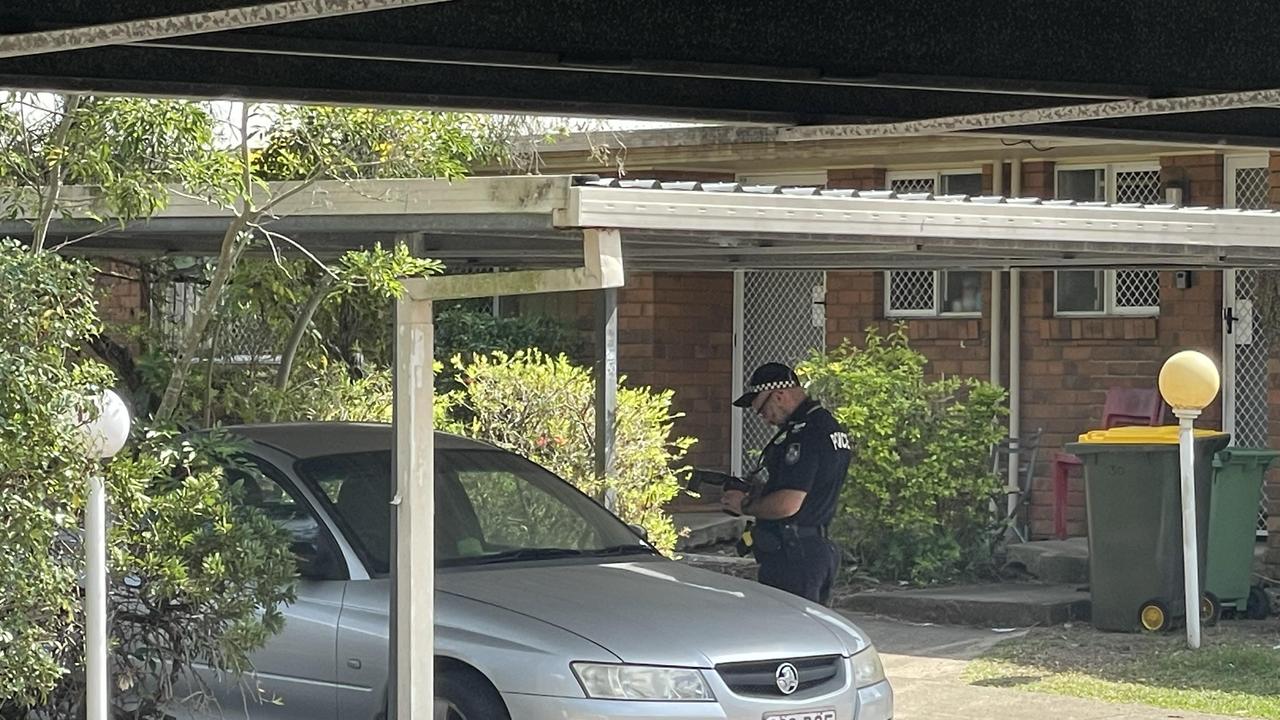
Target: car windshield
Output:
{"points": [[491, 506]]}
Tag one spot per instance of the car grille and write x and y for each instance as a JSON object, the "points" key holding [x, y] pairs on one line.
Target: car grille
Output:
{"points": [[758, 678]]}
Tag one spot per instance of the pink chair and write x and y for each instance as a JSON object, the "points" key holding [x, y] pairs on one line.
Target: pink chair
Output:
{"points": [[1124, 406]]}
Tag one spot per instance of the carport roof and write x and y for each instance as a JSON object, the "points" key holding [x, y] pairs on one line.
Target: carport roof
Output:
{"points": [[1160, 65], [536, 221]]}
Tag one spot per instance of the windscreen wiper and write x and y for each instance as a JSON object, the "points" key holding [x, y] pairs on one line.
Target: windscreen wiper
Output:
{"points": [[548, 553], [628, 549], [520, 554]]}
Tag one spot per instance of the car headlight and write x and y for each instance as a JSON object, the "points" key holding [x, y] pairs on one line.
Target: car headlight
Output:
{"points": [[867, 669], [641, 682]]}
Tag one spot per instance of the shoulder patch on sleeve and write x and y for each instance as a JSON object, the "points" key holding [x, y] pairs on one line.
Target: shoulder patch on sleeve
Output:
{"points": [[793, 454]]}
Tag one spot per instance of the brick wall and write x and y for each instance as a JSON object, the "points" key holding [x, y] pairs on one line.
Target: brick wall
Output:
{"points": [[675, 330], [954, 346], [693, 355], [119, 296], [1068, 364], [1037, 179], [857, 179], [1200, 176]]}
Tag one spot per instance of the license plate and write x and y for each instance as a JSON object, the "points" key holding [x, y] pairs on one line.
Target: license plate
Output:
{"points": [[825, 714]]}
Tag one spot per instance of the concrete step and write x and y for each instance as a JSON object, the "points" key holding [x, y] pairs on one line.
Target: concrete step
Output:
{"points": [[1052, 561], [705, 529], [999, 605]]}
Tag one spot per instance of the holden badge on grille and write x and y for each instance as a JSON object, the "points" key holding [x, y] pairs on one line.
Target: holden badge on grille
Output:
{"points": [[788, 678]]}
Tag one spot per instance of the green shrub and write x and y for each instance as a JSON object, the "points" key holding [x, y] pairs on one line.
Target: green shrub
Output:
{"points": [[542, 407], [193, 578], [317, 392], [916, 505], [46, 306], [464, 332]]}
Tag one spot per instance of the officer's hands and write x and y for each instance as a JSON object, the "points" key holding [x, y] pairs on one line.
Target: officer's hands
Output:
{"points": [[731, 501]]}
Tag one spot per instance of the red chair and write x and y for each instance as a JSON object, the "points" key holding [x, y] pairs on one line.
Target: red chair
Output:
{"points": [[1124, 406]]}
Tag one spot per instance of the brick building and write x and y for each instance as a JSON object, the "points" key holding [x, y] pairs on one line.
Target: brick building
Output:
{"points": [[1080, 331]]}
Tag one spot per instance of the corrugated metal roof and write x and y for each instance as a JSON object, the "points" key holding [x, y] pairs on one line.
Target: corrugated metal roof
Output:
{"points": [[536, 221], [674, 224], [813, 191]]}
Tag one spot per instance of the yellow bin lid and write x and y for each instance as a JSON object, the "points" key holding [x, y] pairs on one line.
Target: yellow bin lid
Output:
{"points": [[1142, 435]]}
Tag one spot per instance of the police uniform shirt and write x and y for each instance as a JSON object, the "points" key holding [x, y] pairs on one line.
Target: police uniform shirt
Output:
{"points": [[809, 453]]}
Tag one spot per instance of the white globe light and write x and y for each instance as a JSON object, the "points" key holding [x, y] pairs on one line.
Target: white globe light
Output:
{"points": [[1189, 380], [107, 433]]}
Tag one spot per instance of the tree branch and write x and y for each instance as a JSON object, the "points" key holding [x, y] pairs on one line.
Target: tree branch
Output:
{"points": [[300, 325], [100, 231], [303, 184], [54, 183], [310, 255]]}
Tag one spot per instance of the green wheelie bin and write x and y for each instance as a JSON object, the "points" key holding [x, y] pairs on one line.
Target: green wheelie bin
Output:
{"points": [[1233, 512], [1133, 498]]}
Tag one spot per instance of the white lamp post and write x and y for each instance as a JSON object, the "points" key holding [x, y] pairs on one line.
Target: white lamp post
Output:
{"points": [[104, 436], [1189, 381]]}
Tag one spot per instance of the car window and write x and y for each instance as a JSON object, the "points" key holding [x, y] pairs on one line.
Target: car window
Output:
{"points": [[358, 488], [261, 486], [490, 506], [515, 513], [262, 491]]}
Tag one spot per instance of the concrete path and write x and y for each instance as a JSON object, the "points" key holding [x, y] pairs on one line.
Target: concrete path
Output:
{"points": [[924, 663]]}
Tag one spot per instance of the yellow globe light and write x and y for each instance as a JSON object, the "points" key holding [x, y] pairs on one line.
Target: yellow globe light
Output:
{"points": [[1189, 380]]}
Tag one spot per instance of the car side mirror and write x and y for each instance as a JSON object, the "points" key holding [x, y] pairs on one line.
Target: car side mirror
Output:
{"points": [[639, 530]]}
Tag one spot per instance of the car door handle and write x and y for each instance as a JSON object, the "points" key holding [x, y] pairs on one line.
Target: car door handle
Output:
{"points": [[353, 663]]}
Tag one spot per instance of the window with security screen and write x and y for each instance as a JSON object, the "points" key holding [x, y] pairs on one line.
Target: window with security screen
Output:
{"points": [[1251, 186], [1138, 185], [1122, 183], [1107, 292], [903, 184], [929, 293], [955, 181], [1136, 291]]}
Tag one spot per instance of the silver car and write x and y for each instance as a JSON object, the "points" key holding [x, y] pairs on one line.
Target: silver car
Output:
{"points": [[547, 606]]}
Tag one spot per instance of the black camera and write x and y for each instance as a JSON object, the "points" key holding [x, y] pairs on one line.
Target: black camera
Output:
{"points": [[724, 481]]}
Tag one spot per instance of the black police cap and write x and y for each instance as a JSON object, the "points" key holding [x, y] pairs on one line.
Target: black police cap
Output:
{"points": [[769, 376]]}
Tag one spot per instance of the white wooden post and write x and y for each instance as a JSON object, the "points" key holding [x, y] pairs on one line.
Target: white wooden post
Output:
{"points": [[412, 691], [413, 614]]}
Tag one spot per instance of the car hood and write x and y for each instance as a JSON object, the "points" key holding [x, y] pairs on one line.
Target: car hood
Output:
{"points": [[657, 611]]}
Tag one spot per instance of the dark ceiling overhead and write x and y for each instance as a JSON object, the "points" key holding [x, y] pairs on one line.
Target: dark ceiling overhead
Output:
{"points": [[797, 62]]}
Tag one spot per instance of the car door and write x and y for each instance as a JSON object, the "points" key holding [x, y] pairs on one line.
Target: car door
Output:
{"points": [[356, 487], [295, 674]]}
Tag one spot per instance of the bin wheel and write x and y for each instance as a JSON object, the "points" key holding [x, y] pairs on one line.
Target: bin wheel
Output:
{"points": [[1154, 616], [1259, 605], [1210, 609]]}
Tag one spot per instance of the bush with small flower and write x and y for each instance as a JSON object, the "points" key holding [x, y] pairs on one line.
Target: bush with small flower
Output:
{"points": [[542, 407]]}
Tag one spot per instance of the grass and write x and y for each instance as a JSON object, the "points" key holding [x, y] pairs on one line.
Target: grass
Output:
{"points": [[1235, 672]]}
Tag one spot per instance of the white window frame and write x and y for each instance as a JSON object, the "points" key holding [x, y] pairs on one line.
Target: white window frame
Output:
{"points": [[1109, 172], [954, 171], [934, 312], [934, 175], [1232, 163], [1109, 306]]}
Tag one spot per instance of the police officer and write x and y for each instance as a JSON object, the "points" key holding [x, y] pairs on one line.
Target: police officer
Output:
{"points": [[806, 461]]}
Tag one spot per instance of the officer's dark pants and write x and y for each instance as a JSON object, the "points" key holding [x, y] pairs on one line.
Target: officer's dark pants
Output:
{"points": [[809, 573]]}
